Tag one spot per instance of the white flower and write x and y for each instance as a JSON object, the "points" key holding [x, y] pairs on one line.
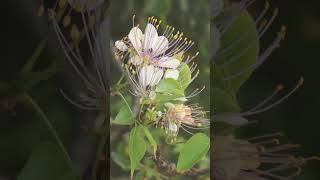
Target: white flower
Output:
{"points": [[150, 76], [148, 45], [172, 73], [159, 50], [121, 46], [183, 116], [145, 80]]}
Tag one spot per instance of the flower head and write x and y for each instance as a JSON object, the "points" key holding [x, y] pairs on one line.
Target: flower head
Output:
{"points": [[183, 116], [259, 158], [149, 57], [154, 49]]}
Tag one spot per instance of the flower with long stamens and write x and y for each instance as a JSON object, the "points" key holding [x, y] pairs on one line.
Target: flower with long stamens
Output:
{"points": [[259, 158], [154, 49], [237, 119], [184, 117], [91, 35], [148, 57]]}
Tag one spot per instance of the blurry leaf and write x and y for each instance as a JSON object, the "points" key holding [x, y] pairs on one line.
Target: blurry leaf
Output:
{"points": [[245, 50], [193, 151], [150, 139], [137, 148], [120, 160], [124, 117], [223, 101], [45, 162], [160, 8], [184, 76], [171, 86]]}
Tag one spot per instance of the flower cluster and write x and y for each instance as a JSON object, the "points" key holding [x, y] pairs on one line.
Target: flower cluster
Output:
{"points": [[159, 72]]}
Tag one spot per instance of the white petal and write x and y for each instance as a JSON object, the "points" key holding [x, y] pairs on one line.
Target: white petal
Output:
{"points": [[156, 76], [172, 73], [135, 36], [136, 60], [150, 71], [152, 95], [173, 128], [168, 62], [121, 46], [160, 45], [150, 35], [143, 77]]}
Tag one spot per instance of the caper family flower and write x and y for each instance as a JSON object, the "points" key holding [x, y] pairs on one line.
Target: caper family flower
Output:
{"points": [[149, 59], [184, 117], [260, 157], [90, 34]]}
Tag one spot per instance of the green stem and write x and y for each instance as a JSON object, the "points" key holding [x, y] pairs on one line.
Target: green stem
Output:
{"points": [[101, 144], [124, 99], [52, 130]]}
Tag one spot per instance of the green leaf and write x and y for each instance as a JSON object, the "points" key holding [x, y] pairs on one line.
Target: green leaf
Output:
{"points": [[150, 139], [124, 117], [193, 151], [184, 78], [170, 86], [244, 52], [137, 148], [223, 101], [45, 162], [121, 160]]}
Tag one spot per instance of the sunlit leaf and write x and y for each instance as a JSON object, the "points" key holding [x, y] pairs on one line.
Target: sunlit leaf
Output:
{"points": [[137, 147], [193, 151], [150, 139], [184, 76]]}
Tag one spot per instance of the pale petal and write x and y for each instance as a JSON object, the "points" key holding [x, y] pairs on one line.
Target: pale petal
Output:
{"points": [[143, 77], [168, 62], [150, 72], [172, 73], [152, 95], [135, 36], [150, 35], [136, 60], [160, 45], [157, 76], [173, 128], [121, 46]]}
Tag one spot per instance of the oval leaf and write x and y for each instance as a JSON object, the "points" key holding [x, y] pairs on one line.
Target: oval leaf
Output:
{"points": [[150, 139], [193, 151], [137, 148], [184, 76], [244, 40]]}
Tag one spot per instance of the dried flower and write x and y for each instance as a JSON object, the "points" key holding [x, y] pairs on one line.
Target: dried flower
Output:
{"points": [[182, 116]]}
